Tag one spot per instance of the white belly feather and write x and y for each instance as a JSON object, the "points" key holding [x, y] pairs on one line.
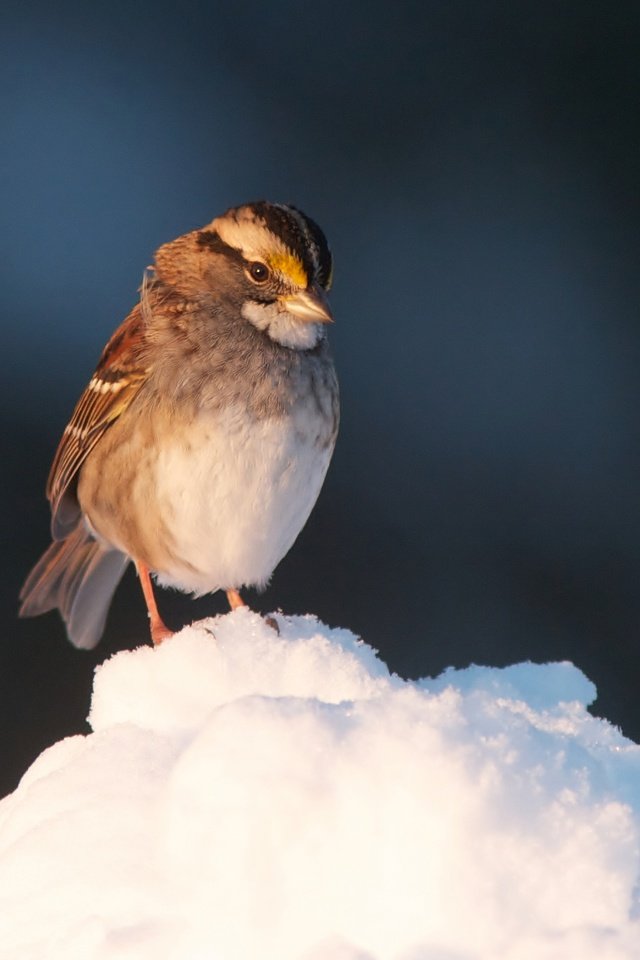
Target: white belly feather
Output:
{"points": [[238, 496]]}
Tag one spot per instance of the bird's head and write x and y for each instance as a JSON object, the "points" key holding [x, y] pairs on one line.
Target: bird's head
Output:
{"points": [[268, 262]]}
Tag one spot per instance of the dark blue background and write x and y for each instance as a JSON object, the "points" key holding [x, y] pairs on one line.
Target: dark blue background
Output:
{"points": [[475, 166]]}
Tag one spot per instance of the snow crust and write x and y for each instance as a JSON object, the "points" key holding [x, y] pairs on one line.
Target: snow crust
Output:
{"points": [[249, 796]]}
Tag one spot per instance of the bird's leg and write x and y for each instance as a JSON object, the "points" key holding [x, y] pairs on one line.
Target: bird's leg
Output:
{"points": [[235, 600], [159, 630]]}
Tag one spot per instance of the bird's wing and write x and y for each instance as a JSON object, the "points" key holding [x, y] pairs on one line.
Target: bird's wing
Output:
{"points": [[120, 373]]}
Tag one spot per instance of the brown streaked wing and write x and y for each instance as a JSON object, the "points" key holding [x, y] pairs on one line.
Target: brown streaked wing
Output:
{"points": [[119, 375]]}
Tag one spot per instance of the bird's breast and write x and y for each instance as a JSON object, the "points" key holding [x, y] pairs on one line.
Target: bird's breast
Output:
{"points": [[234, 492]]}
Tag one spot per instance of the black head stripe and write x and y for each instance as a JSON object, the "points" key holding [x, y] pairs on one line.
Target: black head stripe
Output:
{"points": [[317, 239], [214, 242], [301, 235]]}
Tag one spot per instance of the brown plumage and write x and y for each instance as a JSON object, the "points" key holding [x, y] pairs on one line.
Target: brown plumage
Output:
{"points": [[200, 444]]}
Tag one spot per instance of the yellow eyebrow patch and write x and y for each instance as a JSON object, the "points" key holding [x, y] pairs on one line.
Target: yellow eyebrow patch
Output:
{"points": [[290, 266]]}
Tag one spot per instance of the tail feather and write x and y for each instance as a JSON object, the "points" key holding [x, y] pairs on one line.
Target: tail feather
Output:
{"points": [[77, 576]]}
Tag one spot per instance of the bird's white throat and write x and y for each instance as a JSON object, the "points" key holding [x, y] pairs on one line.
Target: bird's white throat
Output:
{"points": [[283, 327]]}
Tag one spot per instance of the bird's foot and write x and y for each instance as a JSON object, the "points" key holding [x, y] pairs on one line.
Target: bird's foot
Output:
{"points": [[271, 621], [235, 600], [159, 631]]}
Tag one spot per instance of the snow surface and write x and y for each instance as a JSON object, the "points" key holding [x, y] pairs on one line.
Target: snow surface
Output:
{"points": [[255, 796]]}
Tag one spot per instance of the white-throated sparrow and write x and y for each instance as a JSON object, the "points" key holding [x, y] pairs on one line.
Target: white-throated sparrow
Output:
{"points": [[200, 444]]}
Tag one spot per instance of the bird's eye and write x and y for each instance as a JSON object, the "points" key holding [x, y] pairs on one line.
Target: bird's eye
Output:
{"points": [[258, 271]]}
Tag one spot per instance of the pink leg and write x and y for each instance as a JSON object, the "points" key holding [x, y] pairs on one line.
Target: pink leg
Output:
{"points": [[235, 600], [159, 630]]}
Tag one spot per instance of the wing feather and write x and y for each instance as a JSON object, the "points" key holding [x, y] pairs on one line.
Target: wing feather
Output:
{"points": [[120, 373]]}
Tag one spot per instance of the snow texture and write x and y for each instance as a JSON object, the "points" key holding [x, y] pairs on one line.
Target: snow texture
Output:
{"points": [[249, 796]]}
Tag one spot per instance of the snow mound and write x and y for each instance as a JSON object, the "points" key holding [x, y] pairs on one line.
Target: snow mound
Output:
{"points": [[253, 796]]}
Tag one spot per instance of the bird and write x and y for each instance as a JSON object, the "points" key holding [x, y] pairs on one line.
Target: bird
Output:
{"points": [[201, 442]]}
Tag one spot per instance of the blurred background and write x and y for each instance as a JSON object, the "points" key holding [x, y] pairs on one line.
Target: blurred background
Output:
{"points": [[475, 167]]}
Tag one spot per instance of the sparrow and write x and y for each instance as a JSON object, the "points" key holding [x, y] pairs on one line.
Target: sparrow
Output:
{"points": [[200, 444]]}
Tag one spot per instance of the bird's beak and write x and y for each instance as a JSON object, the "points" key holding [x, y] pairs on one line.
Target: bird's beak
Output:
{"points": [[309, 305]]}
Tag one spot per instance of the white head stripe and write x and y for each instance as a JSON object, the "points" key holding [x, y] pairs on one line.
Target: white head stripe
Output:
{"points": [[248, 235]]}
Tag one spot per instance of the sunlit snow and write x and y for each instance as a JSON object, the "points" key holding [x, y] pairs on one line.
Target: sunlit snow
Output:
{"points": [[246, 795]]}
